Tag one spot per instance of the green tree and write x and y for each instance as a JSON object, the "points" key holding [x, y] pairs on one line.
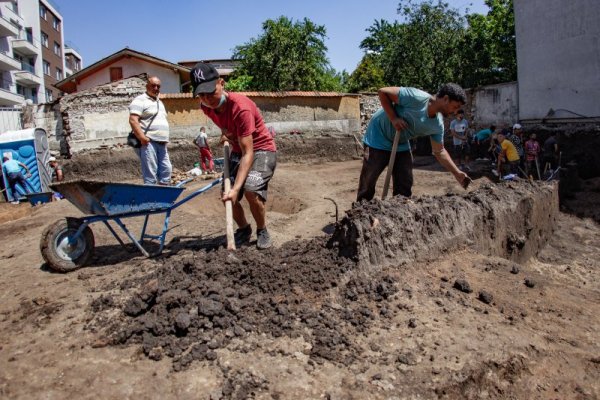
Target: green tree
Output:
{"points": [[288, 55], [368, 76], [427, 52], [436, 43]]}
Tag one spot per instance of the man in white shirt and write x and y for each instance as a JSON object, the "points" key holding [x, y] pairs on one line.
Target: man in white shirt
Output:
{"points": [[148, 120], [458, 130]]}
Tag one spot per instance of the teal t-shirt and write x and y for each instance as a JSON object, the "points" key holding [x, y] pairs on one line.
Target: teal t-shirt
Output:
{"points": [[11, 166], [483, 134], [412, 106]]}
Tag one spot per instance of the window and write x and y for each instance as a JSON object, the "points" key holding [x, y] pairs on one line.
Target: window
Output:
{"points": [[42, 11], [116, 74], [46, 66], [48, 95], [57, 49], [59, 74], [56, 24], [20, 90], [44, 40]]}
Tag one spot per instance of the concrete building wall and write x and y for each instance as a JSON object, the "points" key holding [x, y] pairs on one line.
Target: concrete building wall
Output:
{"points": [[131, 67], [493, 104], [558, 57]]}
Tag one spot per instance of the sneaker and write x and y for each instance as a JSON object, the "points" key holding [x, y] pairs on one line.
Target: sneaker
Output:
{"points": [[495, 172], [242, 235], [263, 239], [14, 202]]}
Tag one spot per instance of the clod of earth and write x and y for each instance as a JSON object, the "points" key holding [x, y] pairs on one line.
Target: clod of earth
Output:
{"points": [[463, 286], [485, 297]]}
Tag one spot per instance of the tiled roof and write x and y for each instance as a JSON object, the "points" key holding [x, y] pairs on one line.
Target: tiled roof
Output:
{"points": [[267, 94]]}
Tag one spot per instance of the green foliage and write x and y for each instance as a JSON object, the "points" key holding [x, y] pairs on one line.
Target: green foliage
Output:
{"points": [[367, 77], [239, 83], [437, 44], [288, 55]]}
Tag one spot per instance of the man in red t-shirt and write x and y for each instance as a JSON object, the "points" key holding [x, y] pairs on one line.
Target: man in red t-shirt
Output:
{"points": [[254, 155]]}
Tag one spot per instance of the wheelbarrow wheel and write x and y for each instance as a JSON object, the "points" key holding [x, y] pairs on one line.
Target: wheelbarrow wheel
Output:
{"points": [[61, 255]]}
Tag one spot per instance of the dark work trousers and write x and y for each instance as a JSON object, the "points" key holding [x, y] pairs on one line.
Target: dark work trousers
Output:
{"points": [[374, 162]]}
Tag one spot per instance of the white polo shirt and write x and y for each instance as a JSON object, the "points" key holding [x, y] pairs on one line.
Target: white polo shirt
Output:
{"points": [[146, 107]]}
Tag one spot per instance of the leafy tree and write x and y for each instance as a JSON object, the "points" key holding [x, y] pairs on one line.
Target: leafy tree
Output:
{"points": [[288, 55], [368, 76], [436, 43], [239, 83], [428, 51]]}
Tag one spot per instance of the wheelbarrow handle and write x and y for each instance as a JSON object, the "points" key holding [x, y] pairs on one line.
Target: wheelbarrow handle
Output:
{"points": [[182, 183]]}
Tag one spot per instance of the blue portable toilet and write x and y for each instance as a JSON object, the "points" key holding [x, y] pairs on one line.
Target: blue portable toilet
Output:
{"points": [[29, 146]]}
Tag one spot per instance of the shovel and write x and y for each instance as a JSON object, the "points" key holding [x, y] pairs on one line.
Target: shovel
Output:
{"points": [[228, 205], [390, 167]]}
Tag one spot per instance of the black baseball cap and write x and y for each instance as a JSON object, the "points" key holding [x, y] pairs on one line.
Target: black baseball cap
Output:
{"points": [[204, 78]]}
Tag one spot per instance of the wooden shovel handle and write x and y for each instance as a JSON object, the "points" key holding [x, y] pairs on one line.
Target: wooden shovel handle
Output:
{"points": [[228, 205]]}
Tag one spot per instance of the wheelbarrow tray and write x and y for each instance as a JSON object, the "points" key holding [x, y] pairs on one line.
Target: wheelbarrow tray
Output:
{"points": [[111, 198]]}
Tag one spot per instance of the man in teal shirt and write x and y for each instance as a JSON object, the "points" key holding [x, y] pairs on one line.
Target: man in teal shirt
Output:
{"points": [[12, 169], [414, 113]]}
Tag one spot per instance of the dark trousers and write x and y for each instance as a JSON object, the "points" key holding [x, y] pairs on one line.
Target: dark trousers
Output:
{"points": [[374, 162], [13, 179]]}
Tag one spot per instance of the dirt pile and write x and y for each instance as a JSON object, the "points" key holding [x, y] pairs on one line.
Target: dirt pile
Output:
{"points": [[197, 303], [512, 220]]}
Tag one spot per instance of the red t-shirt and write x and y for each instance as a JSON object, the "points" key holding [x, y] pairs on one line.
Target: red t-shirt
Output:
{"points": [[240, 117]]}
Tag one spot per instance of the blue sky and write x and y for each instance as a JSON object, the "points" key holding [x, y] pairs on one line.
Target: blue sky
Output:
{"points": [[182, 30]]}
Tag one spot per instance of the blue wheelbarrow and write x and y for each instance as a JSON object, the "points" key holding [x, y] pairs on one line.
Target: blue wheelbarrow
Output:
{"points": [[68, 243]]}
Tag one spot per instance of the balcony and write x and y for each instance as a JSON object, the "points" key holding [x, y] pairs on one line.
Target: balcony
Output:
{"points": [[8, 95], [27, 76], [24, 45], [7, 28], [10, 22], [7, 63]]}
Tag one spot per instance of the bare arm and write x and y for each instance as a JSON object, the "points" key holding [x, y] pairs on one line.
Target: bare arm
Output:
{"points": [[247, 146], [59, 175], [388, 96], [25, 166], [134, 122], [446, 161]]}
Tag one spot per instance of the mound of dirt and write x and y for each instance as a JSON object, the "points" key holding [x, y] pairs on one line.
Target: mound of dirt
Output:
{"points": [[511, 220], [197, 303]]}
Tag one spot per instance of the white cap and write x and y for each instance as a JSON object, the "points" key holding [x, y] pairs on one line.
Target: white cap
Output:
{"points": [[52, 159], [517, 126]]}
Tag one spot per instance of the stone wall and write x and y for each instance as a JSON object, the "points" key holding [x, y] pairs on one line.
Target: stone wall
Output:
{"points": [[98, 116], [285, 112]]}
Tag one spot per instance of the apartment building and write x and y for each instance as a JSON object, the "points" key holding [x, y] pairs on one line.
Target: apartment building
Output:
{"points": [[32, 52]]}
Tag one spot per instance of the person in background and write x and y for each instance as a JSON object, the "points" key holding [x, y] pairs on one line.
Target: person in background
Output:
{"points": [[253, 151], [508, 160], [482, 141], [57, 171], [532, 151], [550, 152], [148, 120], [12, 169], [458, 130], [516, 137], [206, 158]]}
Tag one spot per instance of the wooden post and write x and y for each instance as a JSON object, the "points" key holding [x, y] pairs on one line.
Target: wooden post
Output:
{"points": [[228, 205], [390, 168]]}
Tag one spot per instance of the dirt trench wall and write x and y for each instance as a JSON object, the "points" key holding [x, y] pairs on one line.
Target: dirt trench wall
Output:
{"points": [[513, 221]]}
